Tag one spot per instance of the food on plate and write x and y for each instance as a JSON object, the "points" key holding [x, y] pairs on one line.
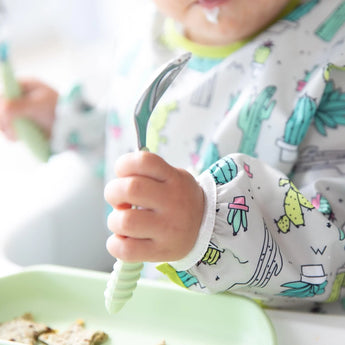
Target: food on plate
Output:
{"points": [[23, 329], [76, 334]]}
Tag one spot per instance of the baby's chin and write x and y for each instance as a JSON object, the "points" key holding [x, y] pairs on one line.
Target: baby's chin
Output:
{"points": [[216, 34]]}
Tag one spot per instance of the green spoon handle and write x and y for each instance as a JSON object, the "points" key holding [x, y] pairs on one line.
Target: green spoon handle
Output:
{"points": [[121, 284], [26, 130]]}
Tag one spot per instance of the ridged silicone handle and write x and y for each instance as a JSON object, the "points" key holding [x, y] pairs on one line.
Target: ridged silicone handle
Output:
{"points": [[121, 284]]}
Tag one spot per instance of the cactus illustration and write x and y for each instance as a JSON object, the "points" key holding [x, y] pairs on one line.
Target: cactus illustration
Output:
{"points": [[323, 206], [237, 215], [212, 255], [157, 123], [302, 290], [293, 203], [330, 112], [187, 279], [269, 264], [296, 128], [73, 139], [307, 75], [195, 156], [251, 117], [114, 124], [211, 156], [299, 122], [262, 52], [328, 29], [76, 98], [338, 284], [224, 170], [329, 68], [301, 10], [313, 282], [233, 100]]}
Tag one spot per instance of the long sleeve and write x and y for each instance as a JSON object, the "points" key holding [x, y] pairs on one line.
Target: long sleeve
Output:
{"points": [[271, 236], [274, 168], [268, 239]]}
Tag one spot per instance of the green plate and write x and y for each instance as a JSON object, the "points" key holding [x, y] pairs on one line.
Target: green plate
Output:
{"points": [[58, 296]]}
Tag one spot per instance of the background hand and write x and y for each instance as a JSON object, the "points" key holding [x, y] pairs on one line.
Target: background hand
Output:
{"points": [[37, 103]]}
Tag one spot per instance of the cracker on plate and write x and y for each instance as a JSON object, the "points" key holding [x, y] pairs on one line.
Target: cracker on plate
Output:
{"points": [[76, 334], [22, 329]]}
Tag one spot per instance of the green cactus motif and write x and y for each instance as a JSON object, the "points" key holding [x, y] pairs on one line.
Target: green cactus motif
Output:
{"points": [[328, 29], [187, 279], [338, 284], [301, 10], [212, 255], [233, 100], [195, 156], [157, 123], [307, 75], [262, 52], [251, 117], [301, 289], [73, 140], [237, 216], [300, 120], [224, 170], [323, 206], [75, 96], [313, 282], [329, 68], [211, 156], [330, 112], [293, 203]]}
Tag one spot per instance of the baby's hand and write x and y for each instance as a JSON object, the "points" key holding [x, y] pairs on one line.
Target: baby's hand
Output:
{"points": [[38, 103], [170, 204]]}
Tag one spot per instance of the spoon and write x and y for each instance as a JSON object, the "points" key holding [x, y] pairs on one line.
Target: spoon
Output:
{"points": [[124, 277]]}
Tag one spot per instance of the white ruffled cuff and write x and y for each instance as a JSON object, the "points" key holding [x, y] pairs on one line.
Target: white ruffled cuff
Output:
{"points": [[208, 185]]}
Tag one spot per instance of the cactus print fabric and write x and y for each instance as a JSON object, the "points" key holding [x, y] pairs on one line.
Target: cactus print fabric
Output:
{"points": [[264, 131]]}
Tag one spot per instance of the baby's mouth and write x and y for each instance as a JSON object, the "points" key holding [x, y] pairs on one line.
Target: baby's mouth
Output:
{"points": [[212, 14], [211, 9], [210, 4]]}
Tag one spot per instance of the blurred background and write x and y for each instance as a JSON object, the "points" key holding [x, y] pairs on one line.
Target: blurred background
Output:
{"points": [[61, 42], [65, 41]]}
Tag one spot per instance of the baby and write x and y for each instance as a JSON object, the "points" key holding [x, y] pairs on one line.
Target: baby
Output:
{"points": [[243, 190], [261, 110]]}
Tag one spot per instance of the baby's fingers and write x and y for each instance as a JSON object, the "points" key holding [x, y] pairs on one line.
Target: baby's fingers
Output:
{"points": [[135, 250], [131, 249], [144, 164], [137, 190], [135, 223]]}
